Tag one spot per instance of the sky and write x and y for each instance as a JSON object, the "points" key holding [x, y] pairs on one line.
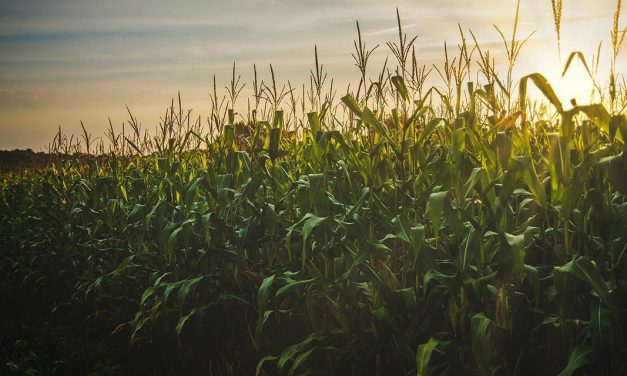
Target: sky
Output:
{"points": [[67, 61]]}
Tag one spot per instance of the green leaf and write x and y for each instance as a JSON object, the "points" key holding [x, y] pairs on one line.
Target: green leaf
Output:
{"points": [[435, 275], [618, 128], [583, 269], [289, 353], [309, 225], [541, 83], [504, 148], [423, 355], [127, 263], [409, 298], [293, 285], [314, 124], [616, 167], [426, 132], [188, 285], [262, 301], [300, 359], [352, 105], [596, 112], [579, 55], [383, 314], [400, 229], [318, 194], [264, 293], [183, 320], [434, 209], [268, 358], [600, 327], [417, 236], [581, 355], [134, 146], [481, 346], [399, 84], [530, 177], [369, 118], [590, 274], [534, 280], [169, 248], [516, 255], [272, 142]]}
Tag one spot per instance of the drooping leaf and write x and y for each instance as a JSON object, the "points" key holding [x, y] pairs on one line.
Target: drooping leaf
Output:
{"points": [[543, 85], [399, 84]]}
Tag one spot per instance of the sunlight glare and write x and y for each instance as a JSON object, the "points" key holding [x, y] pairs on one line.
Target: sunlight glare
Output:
{"points": [[575, 85]]}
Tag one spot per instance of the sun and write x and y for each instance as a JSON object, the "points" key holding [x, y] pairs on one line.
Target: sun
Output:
{"points": [[576, 85]]}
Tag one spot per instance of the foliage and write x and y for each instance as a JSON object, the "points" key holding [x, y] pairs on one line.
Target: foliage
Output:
{"points": [[423, 238]]}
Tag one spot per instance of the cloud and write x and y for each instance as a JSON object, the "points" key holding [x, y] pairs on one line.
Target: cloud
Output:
{"points": [[11, 97], [389, 30]]}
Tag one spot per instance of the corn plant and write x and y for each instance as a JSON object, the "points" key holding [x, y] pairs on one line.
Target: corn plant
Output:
{"points": [[441, 231]]}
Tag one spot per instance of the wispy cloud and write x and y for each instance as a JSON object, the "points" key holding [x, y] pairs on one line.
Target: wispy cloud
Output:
{"points": [[389, 30]]}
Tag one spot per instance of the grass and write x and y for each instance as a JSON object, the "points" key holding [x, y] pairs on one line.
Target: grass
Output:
{"points": [[391, 229]]}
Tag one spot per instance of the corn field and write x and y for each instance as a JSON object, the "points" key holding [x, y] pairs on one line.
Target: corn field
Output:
{"points": [[395, 228]]}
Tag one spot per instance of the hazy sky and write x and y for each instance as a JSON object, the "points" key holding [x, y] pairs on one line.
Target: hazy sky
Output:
{"points": [[64, 61]]}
